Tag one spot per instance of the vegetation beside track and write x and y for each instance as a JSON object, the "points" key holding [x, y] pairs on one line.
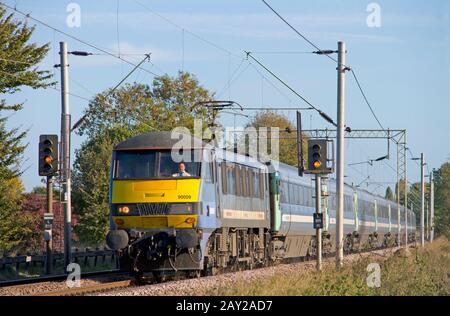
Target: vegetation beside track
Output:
{"points": [[420, 271]]}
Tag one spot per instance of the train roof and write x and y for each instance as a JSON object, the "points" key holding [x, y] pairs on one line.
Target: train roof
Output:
{"points": [[168, 139], [160, 140]]}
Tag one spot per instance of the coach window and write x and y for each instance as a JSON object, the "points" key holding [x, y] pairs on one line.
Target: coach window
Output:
{"points": [[291, 193], [332, 206], [369, 209], [285, 192], [303, 200], [261, 184], [256, 183], [231, 179], [251, 192], [247, 183], [294, 193], [244, 174], [307, 193], [308, 197], [223, 170], [242, 180], [237, 174], [282, 192], [207, 171]]}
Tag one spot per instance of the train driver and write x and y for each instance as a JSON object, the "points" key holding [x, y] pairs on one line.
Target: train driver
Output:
{"points": [[181, 171]]}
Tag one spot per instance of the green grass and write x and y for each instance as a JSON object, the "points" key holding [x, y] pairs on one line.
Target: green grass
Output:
{"points": [[423, 271]]}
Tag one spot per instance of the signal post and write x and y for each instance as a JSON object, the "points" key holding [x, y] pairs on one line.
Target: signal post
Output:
{"points": [[48, 166], [318, 165], [48, 225]]}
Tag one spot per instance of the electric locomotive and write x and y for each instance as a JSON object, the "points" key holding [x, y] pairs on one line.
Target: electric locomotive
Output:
{"points": [[217, 210]]}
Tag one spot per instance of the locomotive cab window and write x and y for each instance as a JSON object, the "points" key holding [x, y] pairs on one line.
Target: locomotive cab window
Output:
{"points": [[154, 164]]}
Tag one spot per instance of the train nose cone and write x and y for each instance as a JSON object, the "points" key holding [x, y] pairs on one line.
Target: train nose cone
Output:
{"points": [[117, 239]]}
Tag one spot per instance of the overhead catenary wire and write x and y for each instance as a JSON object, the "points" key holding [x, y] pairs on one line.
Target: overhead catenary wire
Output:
{"points": [[280, 52], [327, 54], [231, 77], [50, 87], [83, 118], [187, 31], [117, 27], [271, 83], [413, 156], [296, 31], [365, 99], [28, 16], [323, 114]]}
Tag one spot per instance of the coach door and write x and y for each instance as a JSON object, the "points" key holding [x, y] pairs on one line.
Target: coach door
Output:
{"points": [[355, 209], [219, 186]]}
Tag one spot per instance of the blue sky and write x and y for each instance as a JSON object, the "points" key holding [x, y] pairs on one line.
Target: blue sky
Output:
{"points": [[403, 65]]}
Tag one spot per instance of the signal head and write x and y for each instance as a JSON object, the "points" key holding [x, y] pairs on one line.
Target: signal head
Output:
{"points": [[48, 155]]}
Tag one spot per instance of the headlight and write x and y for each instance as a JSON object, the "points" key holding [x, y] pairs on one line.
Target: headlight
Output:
{"points": [[124, 209], [190, 220]]}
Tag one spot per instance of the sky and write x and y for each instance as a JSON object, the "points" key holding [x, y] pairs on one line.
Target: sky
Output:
{"points": [[402, 65]]}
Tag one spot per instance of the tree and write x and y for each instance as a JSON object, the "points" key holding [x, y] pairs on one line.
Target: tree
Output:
{"points": [[414, 195], [41, 190], [18, 60], [17, 230], [400, 192], [442, 200], [389, 194], [91, 184], [114, 117], [170, 102], [288, 152]]}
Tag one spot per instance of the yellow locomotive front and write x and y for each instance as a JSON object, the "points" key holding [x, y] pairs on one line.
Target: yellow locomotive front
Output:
{"points": [[155, 204]]}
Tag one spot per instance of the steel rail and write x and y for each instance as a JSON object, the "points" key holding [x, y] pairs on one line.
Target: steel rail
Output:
{"points": [[56, 277]]}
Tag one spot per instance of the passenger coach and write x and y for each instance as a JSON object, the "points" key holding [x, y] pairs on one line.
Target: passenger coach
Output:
{"points": [[214, 210]]}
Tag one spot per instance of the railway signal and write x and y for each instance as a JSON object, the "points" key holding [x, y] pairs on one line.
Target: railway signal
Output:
{"points": [[48, 155], [318, 157]]}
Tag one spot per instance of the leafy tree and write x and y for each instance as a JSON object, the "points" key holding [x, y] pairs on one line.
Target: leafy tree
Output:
{"points": [[39, 190], [168, 103], [91, 184], [114, 117], [389, 194], [442, 200], [414, 198], [18, 60], [400, 192], [288, 152], [43, 191], [17, 230]]}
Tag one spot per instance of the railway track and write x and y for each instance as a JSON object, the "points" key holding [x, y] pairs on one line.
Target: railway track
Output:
{"points": [[211, 284], [89, 289], [107, 285], [56, 277], [55, 283]]}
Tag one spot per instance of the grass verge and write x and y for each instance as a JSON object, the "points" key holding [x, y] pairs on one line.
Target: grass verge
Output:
{"points": [[419, 271]]}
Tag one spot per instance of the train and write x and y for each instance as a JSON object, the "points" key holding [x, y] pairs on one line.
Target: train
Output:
{"points": [[216, 210]]}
